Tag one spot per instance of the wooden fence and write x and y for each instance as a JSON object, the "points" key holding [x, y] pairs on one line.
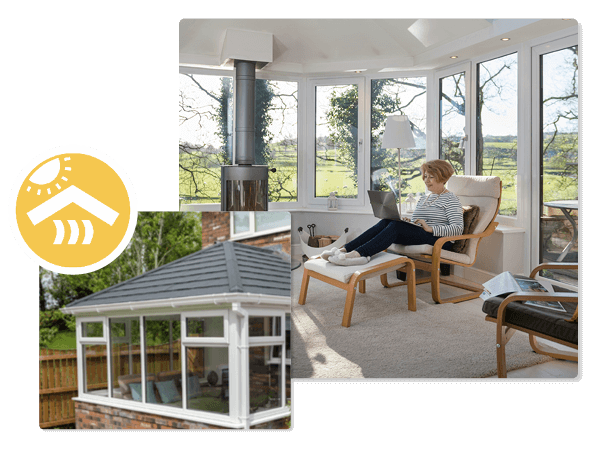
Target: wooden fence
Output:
{"points": [[58, 375], [58, 385]]}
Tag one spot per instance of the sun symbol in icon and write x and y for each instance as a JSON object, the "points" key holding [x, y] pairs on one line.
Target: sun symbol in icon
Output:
{"points": [[47, 177]]}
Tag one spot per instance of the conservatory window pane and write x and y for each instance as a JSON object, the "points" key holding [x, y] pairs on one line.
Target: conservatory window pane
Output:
{"points": [[92, 329], [559, 155], [126, 359], [453, 121], [95, 370], [276, 139], [265, 379], [208, 379], [398, 96], [497, 123], [205, 327], [163, 360], [288, 329], [336, 145], [264, 326], [205, 135]]}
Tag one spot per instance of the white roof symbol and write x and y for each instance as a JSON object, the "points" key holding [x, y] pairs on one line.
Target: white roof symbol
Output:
{"points": [[73, 195]]}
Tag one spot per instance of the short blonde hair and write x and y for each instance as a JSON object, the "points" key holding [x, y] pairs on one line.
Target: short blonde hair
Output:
{"points": [[439, 168]]}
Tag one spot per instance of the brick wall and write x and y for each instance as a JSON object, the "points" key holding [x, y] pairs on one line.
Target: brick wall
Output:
{"points": [[285, 239], [216, 228], [89, 416]]}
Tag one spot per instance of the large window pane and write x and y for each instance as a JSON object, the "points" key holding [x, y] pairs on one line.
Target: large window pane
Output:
{"points": [[336, 145], [452, 121], [205, 135], [398, 96], [497, 124], [163, 360], [208, 379], [560, 145], [95, 370], [276, 142], [126, 358], [265, 379]]}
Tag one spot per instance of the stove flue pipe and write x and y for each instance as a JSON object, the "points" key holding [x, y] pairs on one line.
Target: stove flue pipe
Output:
{"points": [[245, 82], [244, 186]]}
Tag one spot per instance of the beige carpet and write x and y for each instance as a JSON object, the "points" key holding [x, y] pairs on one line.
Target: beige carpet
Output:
{"points": [[388, 341]]}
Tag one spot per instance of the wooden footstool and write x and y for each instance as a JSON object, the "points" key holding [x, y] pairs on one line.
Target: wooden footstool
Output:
{"points": [[348, 277]]}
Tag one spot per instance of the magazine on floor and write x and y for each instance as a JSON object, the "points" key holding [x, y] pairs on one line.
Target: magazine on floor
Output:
{"points": [[507, 283]]}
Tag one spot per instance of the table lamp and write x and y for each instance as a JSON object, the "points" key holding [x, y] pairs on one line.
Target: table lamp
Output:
{"points": [[398, 135]]}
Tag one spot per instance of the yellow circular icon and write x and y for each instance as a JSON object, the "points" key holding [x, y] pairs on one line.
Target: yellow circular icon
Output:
{"points": [[73, 212]]}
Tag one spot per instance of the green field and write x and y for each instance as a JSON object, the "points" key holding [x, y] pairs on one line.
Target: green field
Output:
{"points": [[333, 176], [204, 184]]}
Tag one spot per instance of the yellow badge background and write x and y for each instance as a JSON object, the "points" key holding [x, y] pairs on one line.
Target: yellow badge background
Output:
{"points": [[97, 179]]}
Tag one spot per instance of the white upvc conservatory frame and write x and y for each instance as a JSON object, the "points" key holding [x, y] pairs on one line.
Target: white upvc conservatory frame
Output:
{"points": [[235, 310]]}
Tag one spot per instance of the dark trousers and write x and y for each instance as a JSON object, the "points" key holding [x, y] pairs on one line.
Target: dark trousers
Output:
{"points": [[387, 232]]}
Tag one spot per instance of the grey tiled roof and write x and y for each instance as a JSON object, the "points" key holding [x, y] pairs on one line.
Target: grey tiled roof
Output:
{"points": [[227, 267]]}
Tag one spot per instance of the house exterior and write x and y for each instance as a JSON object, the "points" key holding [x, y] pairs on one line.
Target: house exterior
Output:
{"points": [[219, 316], [248, 228]]}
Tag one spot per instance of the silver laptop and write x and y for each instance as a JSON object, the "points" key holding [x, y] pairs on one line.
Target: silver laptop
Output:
{"points": [[384, 205]]}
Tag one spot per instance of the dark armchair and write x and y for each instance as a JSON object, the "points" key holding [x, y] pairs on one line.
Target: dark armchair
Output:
{"points": [[511, 314]]}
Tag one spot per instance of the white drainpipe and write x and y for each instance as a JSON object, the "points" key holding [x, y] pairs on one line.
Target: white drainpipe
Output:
{"points": [[244, 366]]}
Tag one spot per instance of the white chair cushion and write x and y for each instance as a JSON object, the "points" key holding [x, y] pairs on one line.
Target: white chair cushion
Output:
{"points": [[475, 190], [344, 273], [474, 185], [470, 190], [426, 249]]}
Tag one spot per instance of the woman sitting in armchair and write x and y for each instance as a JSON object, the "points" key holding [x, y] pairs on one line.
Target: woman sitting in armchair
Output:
{"points": [[438, 215]]}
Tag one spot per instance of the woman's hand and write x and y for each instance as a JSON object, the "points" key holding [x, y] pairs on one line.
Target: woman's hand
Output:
{"points": [[424, 225]]}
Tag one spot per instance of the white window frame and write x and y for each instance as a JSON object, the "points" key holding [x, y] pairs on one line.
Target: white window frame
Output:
{"points": [[362, 168], [201, 315], [266, 341], [523, 165], [434, 152], [216, 73], [235, 418], [252, 228], [429, 125], [536, 52], [300, 134], [81, 362], [92, 340]]}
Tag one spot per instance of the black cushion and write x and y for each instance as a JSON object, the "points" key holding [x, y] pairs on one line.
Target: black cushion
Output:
{"points": [[543, 320]]}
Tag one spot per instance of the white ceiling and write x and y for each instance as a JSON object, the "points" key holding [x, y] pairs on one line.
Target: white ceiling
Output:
{"points": [[314, 46]]}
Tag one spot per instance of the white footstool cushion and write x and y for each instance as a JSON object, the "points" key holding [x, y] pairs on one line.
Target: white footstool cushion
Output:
{"points": [[344, 273]]}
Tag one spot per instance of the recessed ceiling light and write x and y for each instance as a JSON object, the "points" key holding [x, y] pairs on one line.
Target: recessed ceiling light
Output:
{"points": [[454, 57], [356, 70], [505, 39]]}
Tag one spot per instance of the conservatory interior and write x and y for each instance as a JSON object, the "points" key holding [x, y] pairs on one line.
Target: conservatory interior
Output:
{"points": [[494, 97], [211, 315]]}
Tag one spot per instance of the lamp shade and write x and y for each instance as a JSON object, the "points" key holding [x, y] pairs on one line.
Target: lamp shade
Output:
{"points": [[397, 133]]}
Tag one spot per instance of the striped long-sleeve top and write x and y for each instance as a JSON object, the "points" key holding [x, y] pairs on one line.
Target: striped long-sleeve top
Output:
{"points": [[442, 212]]}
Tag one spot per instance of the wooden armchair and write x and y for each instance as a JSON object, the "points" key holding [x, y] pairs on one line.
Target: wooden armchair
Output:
{"points": [[510, 315], [481, 191]]}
